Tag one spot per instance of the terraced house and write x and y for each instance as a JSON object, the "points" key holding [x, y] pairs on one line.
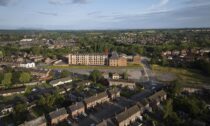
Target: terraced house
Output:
{"points": [[77, 109], [61, 81], [58, 116], [158, 97], [128, 116], [40, 121], [96, 99], [123, 83]]}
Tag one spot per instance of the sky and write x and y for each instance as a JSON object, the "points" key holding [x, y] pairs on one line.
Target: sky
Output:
{"points": [[103, 14]]}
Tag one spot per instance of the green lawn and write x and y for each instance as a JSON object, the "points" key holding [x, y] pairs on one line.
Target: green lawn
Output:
{"points": [[130, 66], [184, 76]]}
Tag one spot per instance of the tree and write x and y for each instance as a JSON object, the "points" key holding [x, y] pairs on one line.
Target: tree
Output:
{"points": [[65, 73], [1, 54], [176, 88], [1, 76], [165, 61], [25, 77], [125, 75], [50, 100], [58, 97], [20, 112], [47, 101], [95, 75], [7, 80], [20, 108], [36, 50], [16, 76], [167, 109], [41, 101]]}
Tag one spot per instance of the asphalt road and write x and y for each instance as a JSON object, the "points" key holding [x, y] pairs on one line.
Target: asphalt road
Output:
{"points": [[151, 83]]}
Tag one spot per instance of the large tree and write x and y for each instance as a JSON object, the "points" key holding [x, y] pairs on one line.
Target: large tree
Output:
{"points": [[95, 75], [125, 75], [7, 80], [65, 73], [25, 77]]}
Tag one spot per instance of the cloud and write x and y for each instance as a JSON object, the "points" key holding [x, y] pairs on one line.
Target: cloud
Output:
{"points": [[159, 5], [47, 13], [5, 2], [190, 16], [163, 2], [60, 2], [94, 13], [194, 3]]}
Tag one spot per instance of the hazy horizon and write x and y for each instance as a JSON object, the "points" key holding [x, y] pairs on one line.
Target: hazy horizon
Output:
{"points": [[103, 15]]}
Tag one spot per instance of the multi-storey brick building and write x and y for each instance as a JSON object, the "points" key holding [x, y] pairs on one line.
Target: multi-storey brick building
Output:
{"points": [[116, 60], [102, 59], [136, 59], [88, 59]]}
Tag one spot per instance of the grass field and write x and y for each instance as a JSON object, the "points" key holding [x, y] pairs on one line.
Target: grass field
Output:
{"points": [[184, 76], [130, 66]]}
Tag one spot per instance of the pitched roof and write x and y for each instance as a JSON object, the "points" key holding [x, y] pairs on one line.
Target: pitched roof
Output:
{"points": [[57, 113], [35, 122], [144, 102], [76, 106], [103, 123], [114, 91], [60, 80], [114, 55], [67, 86], [120, 80], [20, 89], [83, 82], [157, 95], [115, 74], [127, 113], [95, 97]]}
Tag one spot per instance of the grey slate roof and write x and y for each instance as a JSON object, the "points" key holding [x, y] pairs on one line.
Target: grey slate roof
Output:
{"points": [[76, 106], [60, 80], [127, 113], [121, 80], [95, 97], [35, 122], [20, 89], [114, 55], [144, 102], [57, 113], [157, 95]]}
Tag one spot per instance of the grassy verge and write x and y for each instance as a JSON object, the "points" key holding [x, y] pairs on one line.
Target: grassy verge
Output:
{"points": [[184, 76], [130, 66]]}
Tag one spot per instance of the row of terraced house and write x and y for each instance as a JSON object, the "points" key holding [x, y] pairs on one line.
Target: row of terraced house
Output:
{"points": [[124, 118]]}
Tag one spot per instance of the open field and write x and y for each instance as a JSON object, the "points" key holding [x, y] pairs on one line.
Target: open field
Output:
{"points": [[184, 76]]}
